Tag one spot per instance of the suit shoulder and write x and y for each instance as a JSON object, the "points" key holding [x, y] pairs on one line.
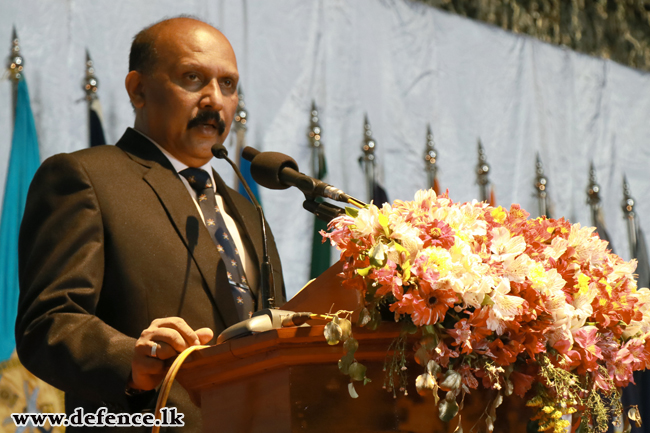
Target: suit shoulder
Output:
{"points": [[86, 159]]}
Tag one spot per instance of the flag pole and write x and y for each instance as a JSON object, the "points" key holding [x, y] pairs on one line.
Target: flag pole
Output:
{"points": [[90, 85], [314, 135], [541, 185], [593, 196], [320, 252], [482, 173], [15, 65], [431, 162], [593, 199], [240, 128], [367, 160], [630, 216]]}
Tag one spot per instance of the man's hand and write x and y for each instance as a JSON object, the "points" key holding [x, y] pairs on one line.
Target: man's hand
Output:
{"points": [[170, 336]]}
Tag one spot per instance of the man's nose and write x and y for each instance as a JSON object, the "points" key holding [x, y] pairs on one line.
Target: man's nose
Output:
{"points": [[212, 96]]}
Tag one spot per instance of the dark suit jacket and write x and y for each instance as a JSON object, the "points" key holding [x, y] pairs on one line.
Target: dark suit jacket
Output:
{"points": [[111, 240]]}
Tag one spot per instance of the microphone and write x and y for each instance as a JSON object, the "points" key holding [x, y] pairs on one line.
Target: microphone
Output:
{"points": [[265, 297], [276, 170], [323, 211]]}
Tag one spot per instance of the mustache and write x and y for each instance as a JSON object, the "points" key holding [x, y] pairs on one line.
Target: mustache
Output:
{"points": [[205, 117]]}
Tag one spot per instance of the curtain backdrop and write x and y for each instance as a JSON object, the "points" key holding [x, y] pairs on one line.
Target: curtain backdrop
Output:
{"points": [[402, 63]]}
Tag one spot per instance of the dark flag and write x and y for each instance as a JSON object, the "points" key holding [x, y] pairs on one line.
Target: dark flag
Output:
{"points": [[320, 252], [95, 117], [637, 394], [599, 222], [96, 130], [379, 196]]}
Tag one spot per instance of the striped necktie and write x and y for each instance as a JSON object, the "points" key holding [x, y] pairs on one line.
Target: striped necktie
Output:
{"points": [[200, 182]]}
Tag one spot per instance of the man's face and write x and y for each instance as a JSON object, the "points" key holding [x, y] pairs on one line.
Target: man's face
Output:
{"points": [[190, 96]]}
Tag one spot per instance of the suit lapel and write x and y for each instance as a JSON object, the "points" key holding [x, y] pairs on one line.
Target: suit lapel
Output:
{"points": [[183, 215]]}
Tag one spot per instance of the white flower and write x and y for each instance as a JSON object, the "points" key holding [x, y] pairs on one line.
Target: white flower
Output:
{"points": [[516, 269], [557, 248], [503, 246], [505, 307], [406, 234], [367, 222], [582, 304]]}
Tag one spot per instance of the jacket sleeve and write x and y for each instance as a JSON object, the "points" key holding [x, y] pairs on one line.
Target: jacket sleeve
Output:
{"points": [[61, 267]]}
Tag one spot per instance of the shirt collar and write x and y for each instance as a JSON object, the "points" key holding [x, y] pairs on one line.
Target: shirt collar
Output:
{"points": [[178, 165]]}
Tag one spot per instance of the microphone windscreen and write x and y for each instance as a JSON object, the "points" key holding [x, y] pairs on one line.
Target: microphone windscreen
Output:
{"points": [[248, 153], [219, 151], [266, 168]]}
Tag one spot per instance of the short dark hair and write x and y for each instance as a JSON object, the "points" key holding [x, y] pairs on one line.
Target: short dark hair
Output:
{"points": [[143, 55]]}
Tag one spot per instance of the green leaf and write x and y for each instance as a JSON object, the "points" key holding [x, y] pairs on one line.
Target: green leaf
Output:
{"points": [[345, 362], [357, 371], [487, 301], [383, 221], [352, 391], [352, 212], [409, 328], [378, 255], [332, 333], [346, 329], [433, 367], [398, 247], [406, 270], [364, 317], [422, 356], [351, 345], [375, 320], [364, 271], [428, 329], [452, 381], [425, 384], [447, 410]]}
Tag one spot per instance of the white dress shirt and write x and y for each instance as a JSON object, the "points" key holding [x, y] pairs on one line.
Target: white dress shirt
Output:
{"points": [[252, 274]]}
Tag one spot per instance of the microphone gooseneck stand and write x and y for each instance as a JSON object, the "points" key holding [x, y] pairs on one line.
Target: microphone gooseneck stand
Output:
{"points": [[266, 295]]}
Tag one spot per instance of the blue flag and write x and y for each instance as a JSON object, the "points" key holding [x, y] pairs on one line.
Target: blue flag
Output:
{"points": [[23, 162], [245, 168]]}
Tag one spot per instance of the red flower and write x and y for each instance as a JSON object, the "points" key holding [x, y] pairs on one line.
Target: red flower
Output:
{"points": [[586, 340], [469, 380], [522, 382], [505, 353], [431, 304], [436, 234]]}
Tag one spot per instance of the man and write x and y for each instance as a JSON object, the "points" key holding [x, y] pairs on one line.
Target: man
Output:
{"points": [[119, 271]]}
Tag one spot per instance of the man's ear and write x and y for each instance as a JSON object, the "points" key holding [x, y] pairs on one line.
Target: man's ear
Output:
{"points": [[134, 87]]}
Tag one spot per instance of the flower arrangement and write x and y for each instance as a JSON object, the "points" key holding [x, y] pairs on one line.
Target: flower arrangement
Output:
{"points": [[535, 307]]}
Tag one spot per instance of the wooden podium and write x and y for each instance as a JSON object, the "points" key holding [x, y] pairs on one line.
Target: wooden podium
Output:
{"points": [[287, 380]]}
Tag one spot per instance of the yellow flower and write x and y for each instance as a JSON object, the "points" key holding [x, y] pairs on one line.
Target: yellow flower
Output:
{"points": [[499, 214], [537, 274], [583, 284]]}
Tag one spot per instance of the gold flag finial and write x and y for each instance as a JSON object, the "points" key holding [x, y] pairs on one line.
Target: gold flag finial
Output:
{"points": [[541, 187], [482, 172], [367, 160], [431, 160], [90, 83], [15, 63], [241, 115]]}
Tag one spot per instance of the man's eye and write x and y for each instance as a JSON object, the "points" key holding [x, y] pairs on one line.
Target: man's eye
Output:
{"points": [[192, 77], [227, 83]]}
